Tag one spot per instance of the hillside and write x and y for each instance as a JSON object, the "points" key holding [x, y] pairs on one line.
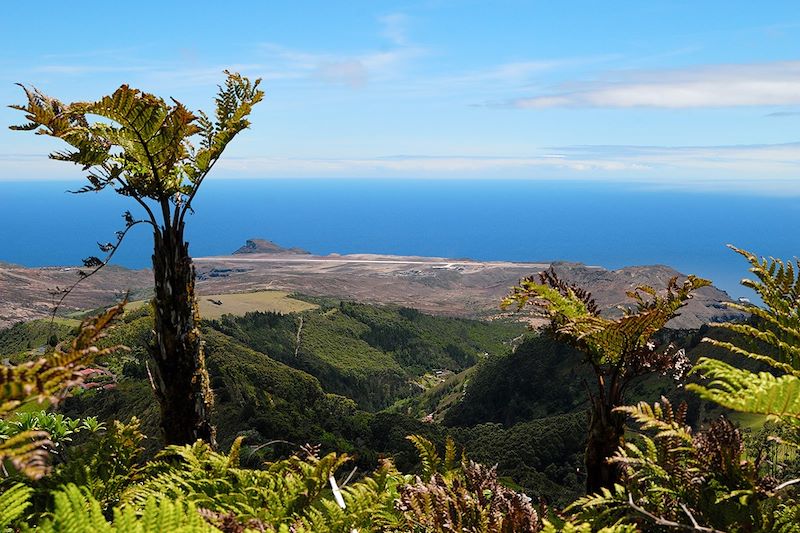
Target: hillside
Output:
{"points": [[375, 355], [28, 293], [354, 359], [359, 378], [441, 286]]}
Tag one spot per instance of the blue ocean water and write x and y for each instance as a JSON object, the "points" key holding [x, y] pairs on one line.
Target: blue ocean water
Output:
{"points": [[611, 225]]}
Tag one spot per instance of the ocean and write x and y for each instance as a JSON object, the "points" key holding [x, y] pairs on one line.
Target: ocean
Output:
{"points": [[611, 225]]}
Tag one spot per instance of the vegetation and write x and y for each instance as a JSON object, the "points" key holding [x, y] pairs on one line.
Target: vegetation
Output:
{"points": [[618, 350], [671, 474], [193, 488], [772, 340], [45, 380], [20, 341], [214, 306], [374, 355], [399, 405], [143, 150], [541, 378]]}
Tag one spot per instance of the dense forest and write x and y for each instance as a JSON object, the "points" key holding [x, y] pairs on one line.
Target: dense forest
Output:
{"points": [[506, 398], [354, 417]]}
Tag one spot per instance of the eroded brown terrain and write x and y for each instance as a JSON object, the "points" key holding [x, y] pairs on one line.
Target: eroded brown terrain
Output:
{"points": [[434, 285], [28, 293]]}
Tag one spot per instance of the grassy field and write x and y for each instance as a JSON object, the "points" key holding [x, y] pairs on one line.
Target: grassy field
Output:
{"points": [[245, 302], [240, 303], [66, 321]]}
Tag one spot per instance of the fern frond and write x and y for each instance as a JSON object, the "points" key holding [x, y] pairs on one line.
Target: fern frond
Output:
{"points": [[659, 417], [431, 462], [745, 391], [574, 316], [48, 379], [450, 455], [606, 507], [13, 503], [77, 513], [28, 453], [787, 368]]}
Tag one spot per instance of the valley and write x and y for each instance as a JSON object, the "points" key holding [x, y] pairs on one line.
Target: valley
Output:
{"points": [[355, 352]]}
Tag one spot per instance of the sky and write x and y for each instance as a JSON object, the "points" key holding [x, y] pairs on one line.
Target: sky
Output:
{"points": [[674, 94]]}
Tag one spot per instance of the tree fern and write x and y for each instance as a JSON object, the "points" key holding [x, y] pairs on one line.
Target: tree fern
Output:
{"points": [[141, 146], [618, 350], [676, 478]]}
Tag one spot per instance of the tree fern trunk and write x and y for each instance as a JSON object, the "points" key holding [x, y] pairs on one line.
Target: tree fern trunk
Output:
{"points": [[180, 377], [606, 432]]}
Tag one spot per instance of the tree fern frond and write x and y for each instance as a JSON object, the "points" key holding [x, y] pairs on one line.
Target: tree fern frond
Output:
{"points": [[761, 358], [742, 390]]}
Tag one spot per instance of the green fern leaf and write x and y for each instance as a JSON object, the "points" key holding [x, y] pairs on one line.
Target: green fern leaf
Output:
{"points": [[745, 391], [13, 503]]}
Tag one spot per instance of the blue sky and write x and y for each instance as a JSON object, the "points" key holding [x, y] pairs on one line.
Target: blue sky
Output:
{"points": [[702, 94]]}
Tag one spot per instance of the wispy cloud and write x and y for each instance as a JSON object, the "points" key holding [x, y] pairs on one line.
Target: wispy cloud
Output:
{"points": [[353, 70], [270, 61], [350, 72], [515, 73], [78, 69], [738, 166], [350, 69], [24, 166], [771, 167], [395, 28], [415, 166], [730, 85], [780, 114], [761, 169]]}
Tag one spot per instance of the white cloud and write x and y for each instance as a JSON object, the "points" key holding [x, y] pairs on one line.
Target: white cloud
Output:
{"points": [[758, 84], [15, 167], [349, 72], [515, 73], [354, 70], [395, 28], [759, 169], [78, 69], [270, 62]]}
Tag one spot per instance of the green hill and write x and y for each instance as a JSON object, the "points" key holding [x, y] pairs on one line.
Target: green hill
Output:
{"points": [[374, 355], [25, 339], [359, 378]]}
